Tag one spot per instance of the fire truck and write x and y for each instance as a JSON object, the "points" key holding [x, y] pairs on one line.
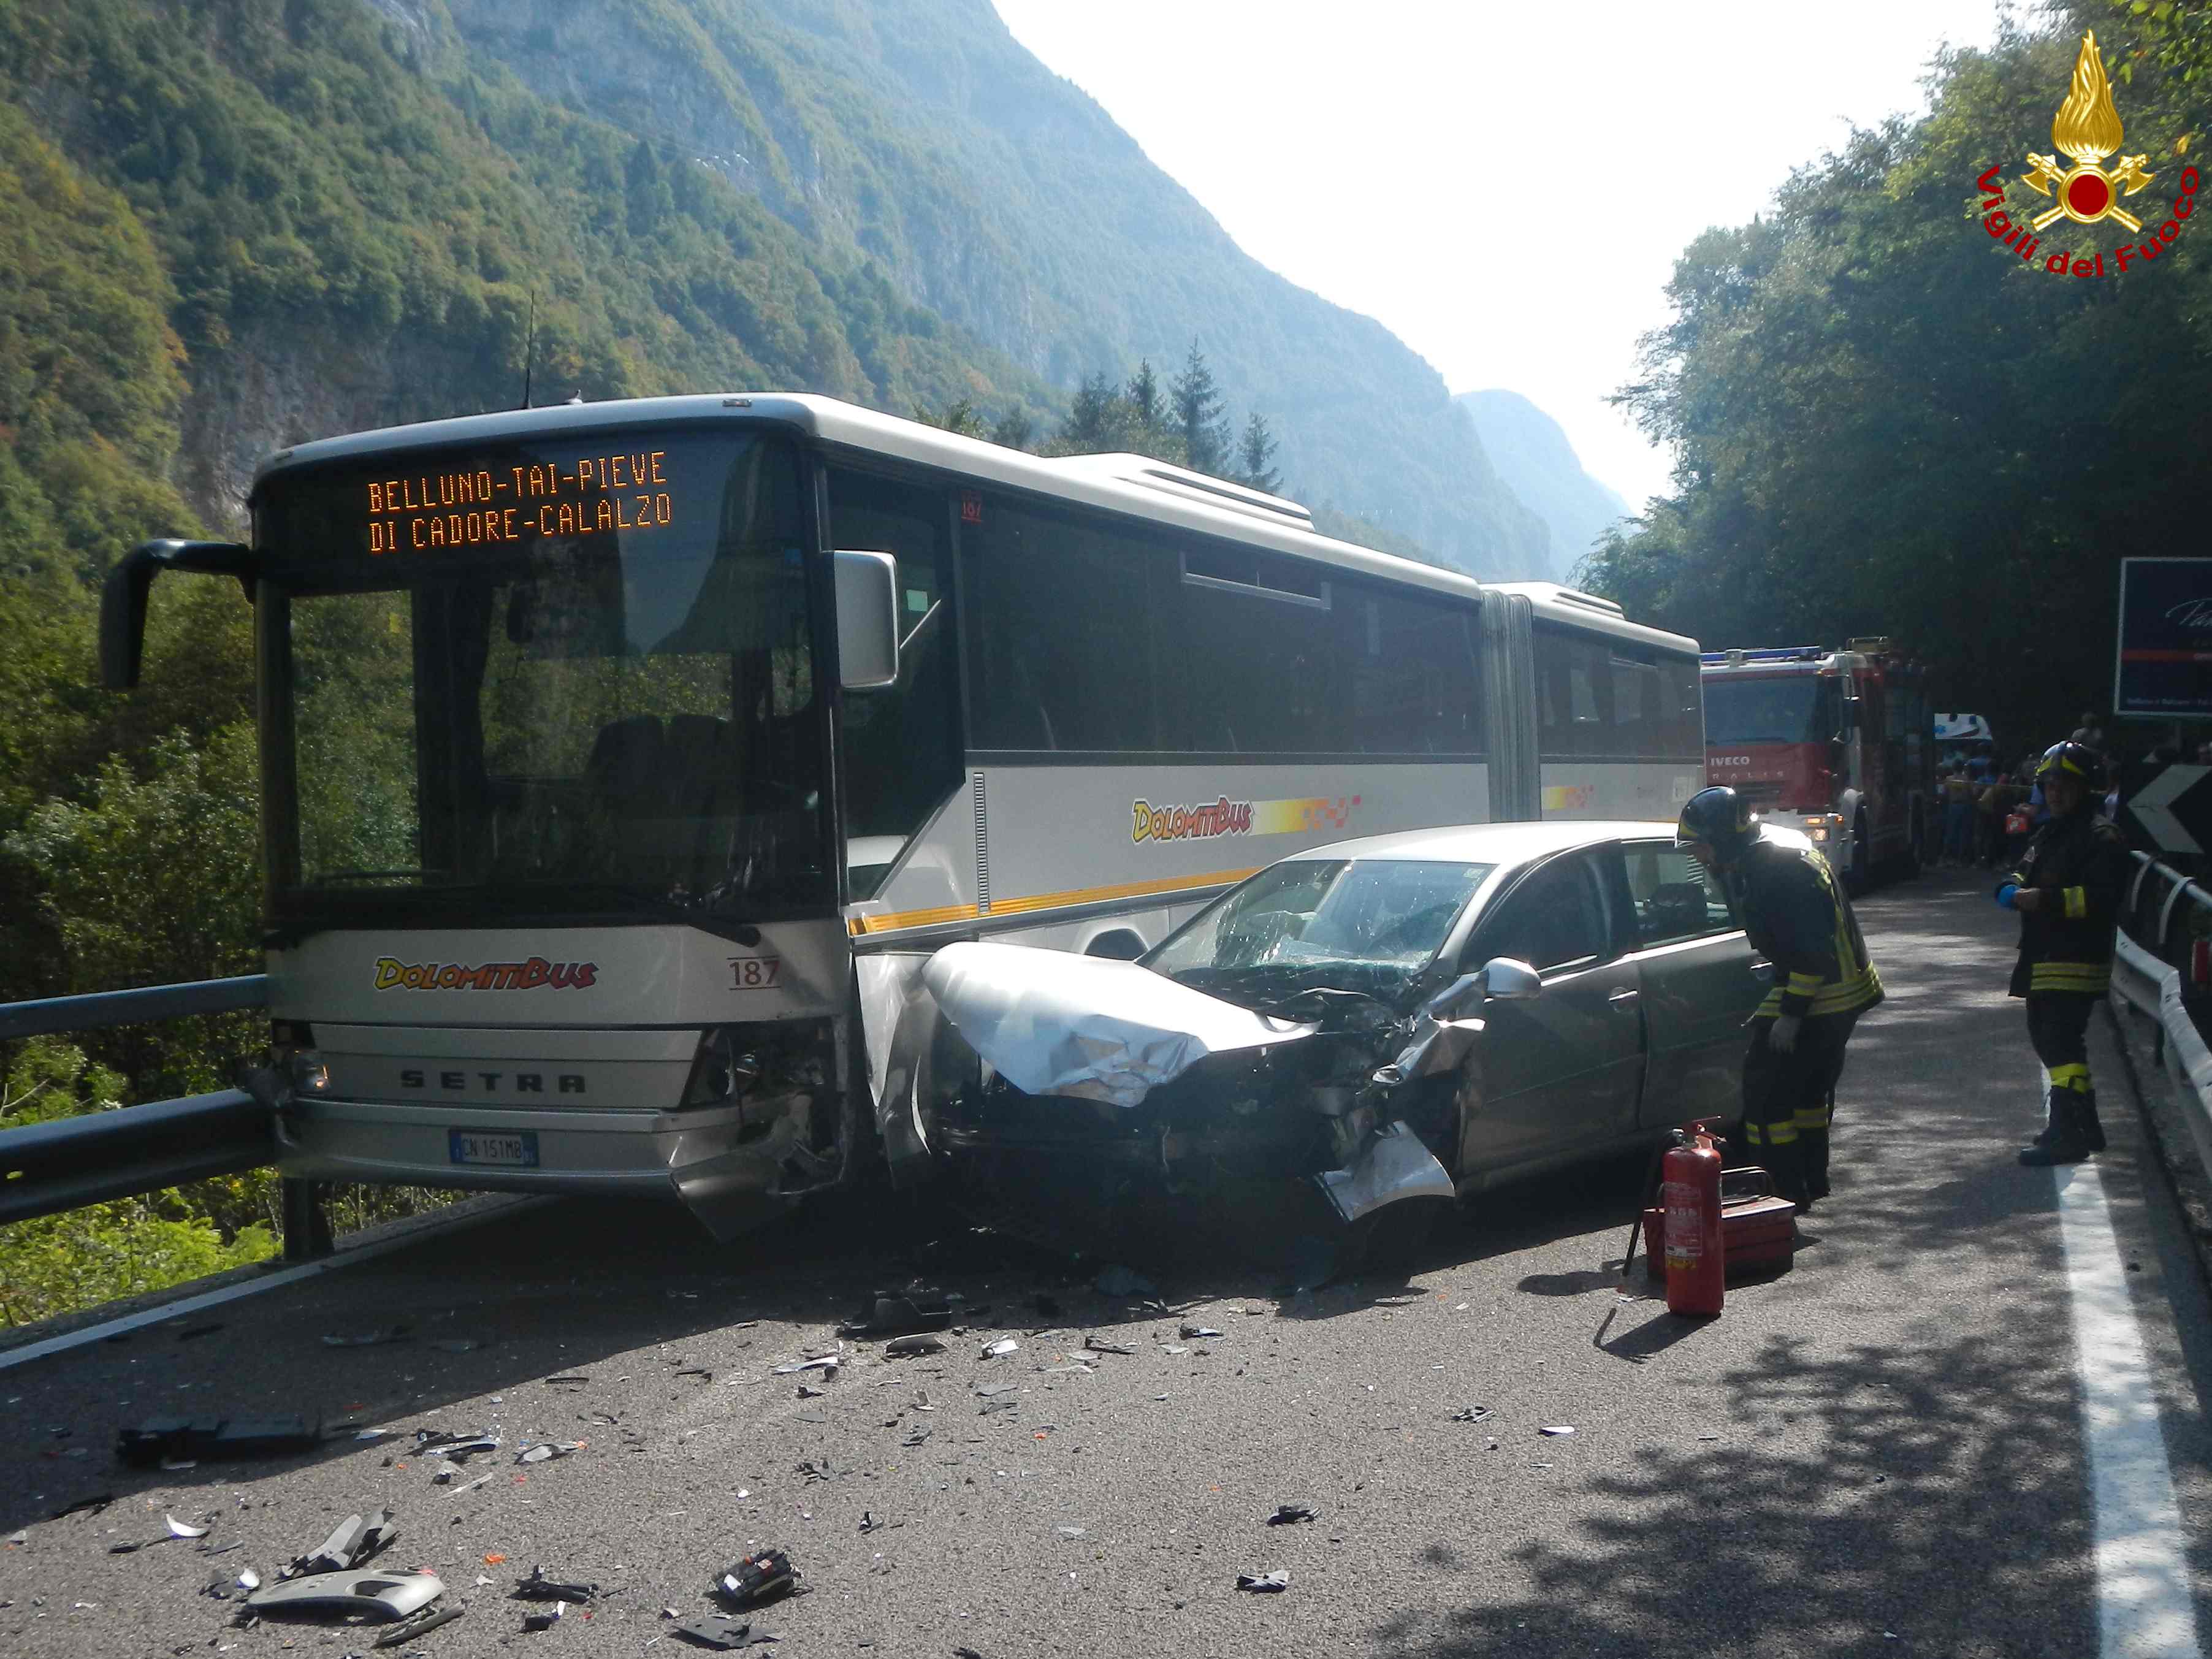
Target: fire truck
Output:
{"points": [[1834, 742]]}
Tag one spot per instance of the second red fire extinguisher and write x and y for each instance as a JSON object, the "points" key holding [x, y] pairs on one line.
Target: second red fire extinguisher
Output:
{"points": [[1690, 1194]]}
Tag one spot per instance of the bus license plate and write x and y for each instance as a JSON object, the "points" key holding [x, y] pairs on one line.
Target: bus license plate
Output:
{"points": [[516, 1149]]}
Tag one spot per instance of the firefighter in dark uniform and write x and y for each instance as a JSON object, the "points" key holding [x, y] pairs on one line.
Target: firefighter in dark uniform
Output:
{"points": [[2067, 889], [1795, 910]]}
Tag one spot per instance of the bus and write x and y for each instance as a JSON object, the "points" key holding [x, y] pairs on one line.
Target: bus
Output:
{"points": [[623, 764]]}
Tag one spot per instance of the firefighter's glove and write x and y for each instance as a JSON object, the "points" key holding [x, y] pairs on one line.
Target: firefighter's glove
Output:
{"points": [[1783, 1039], [2028, 900], [2006, 894]]}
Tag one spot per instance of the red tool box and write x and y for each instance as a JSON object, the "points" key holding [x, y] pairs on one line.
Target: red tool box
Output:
{"points": [[1759, 1231]]}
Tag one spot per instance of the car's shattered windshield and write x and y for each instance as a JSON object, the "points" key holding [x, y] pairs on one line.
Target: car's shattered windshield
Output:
{"points": [[1368, 926]]}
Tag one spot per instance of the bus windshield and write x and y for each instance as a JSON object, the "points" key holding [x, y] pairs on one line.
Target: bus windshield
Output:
{"points": [[1786, 709], [553, 679]]}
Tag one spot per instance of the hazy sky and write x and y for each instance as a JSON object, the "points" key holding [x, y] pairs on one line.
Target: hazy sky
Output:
{"points": [[1505, 187]]}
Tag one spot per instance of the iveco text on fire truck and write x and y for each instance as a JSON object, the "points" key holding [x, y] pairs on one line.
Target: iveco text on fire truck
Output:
{"points": [[624, 763], [1835, 742]]}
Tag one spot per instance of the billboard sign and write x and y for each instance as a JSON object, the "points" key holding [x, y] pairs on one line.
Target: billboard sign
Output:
{"points": [[2163, 666]]}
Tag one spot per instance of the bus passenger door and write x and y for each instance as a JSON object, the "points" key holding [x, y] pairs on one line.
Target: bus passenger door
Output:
{"points": [[1560, 1070]]}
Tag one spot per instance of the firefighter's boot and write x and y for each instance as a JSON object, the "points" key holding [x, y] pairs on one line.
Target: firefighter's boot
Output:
{"points": [[2093, 1132], [2074, 1119], [2043, 1135]]}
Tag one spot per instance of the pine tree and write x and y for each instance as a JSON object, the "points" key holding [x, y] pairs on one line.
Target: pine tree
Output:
{"points": [[1014, 430], [1144, 396], [1198, 410], [1090, 416], [1255, 453]]}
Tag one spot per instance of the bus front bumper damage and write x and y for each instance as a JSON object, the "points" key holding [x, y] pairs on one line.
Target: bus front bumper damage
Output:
{"points": [[1107, 1075]]}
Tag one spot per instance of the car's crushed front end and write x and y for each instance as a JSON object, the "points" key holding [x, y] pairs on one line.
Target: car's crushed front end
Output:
{"points": [[1104, 1087]]}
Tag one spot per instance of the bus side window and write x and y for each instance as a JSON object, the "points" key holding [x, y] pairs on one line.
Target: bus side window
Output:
{"points": [[902, 743]]}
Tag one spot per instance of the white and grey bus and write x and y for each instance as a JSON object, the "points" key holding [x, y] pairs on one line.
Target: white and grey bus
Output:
{"points": [[623, 762]]}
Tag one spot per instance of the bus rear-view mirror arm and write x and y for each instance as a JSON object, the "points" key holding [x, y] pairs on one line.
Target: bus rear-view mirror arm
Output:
{"points": [[867, 620], [123, 599]]}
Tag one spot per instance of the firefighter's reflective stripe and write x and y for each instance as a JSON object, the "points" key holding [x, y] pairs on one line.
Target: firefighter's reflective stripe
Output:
{"points": [[1811, 1117], [1780, 1133], [2077, 901], [2088, 978], [1804, 984], [2069, 1076], [1854, 990]]}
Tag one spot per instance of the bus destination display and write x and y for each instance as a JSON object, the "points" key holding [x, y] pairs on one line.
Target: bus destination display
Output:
{"points": [[587, 495]]}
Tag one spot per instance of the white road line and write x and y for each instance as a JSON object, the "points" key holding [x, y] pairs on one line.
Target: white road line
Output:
{"points": [[398, 1238], [2144, 1608]]}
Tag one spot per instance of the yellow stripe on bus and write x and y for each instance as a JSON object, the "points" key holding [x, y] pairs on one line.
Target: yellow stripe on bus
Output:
{"points": [[896, 920]]}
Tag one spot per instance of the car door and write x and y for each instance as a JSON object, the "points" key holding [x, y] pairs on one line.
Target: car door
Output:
{"points": [[1561, 1070], [1698, 981]]}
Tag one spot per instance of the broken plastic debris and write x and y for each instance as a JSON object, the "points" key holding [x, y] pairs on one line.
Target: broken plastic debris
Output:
{"points": [[1120, 1281], [366, 1339], [1561, 1429], [1264, 1583], [806, 1392], [380, 1595], [1072, 1532], [998, 1350], [421, 1624], [889, 1314], [1171, 1348], [546, 1450], [901, 1347], [249, 1580], [989, 1388], [354, 1540], [22, 1537], [178, 1529], [761, 1576], [539, 1588], [1004, 1403], [374, 1434], [1394, 1165], [537, 1621], [827, 1363], [480, 1480], [1097, 1345], [718, 1631], [1287, 1514], [1474, 1415], [1193, 1332]]}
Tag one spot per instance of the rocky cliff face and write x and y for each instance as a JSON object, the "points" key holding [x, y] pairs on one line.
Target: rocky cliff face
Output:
{"points": [[918, 135]]}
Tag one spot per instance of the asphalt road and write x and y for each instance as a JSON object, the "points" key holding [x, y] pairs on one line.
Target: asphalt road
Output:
{"points": [[1881, 1451]]}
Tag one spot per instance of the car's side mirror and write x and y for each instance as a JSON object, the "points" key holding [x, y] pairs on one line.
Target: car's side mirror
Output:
{"points": [[1501, 977], [1509, 979]]}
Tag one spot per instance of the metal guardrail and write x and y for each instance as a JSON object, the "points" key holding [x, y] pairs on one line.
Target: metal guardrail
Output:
{"points": [[2145, 978], [65, 1164], [101, 1010]]}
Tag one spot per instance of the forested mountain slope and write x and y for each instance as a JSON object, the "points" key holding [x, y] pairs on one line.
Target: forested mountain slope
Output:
{"points": [[1540, 467]]}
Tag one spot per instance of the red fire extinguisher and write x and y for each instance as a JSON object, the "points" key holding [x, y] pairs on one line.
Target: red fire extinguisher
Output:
{"points": [[1689, 1194]]}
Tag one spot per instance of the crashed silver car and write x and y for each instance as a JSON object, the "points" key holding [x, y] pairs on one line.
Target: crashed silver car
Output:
{"points": [[1400, 1018]]}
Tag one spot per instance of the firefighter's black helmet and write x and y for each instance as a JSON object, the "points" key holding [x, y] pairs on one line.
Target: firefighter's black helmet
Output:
{"points": [[1718, 817], [2073, 760]]}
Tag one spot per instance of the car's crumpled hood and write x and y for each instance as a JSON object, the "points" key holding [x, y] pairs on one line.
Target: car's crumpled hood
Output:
{"points": [[1051, 1023]]}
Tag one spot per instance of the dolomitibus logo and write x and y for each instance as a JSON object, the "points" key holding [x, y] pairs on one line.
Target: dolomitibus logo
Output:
{"points": [[392, 973], [1306, 814], [2086, 131]]}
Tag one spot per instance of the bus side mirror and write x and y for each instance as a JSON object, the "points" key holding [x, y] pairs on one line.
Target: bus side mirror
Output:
{"points": [[867, 620], [123, 598]]}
